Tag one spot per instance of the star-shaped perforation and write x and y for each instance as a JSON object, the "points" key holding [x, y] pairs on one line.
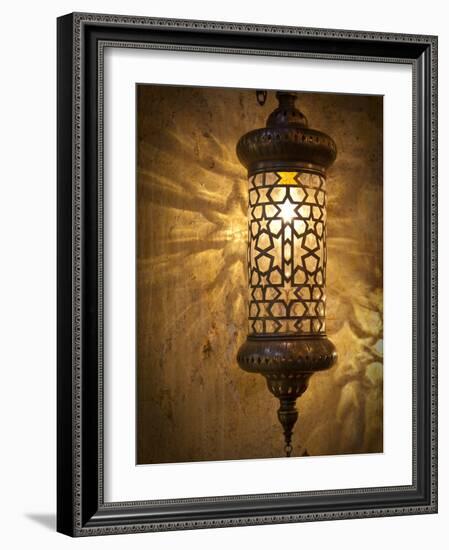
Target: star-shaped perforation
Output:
{"points": [[287, 255]]}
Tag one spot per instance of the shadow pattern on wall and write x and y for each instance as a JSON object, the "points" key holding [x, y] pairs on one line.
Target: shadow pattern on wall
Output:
{"points": [[193, 402]]}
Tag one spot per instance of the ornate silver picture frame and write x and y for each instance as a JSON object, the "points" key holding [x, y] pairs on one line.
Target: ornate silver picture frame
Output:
{"points": [[81, 508]]}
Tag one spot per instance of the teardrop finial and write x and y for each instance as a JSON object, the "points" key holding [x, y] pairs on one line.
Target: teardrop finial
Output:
{"points": [[288, 415]]}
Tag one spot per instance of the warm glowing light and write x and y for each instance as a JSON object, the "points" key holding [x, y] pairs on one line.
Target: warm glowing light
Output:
{"points": [[288, 178], [286, 253], [288, 211]]}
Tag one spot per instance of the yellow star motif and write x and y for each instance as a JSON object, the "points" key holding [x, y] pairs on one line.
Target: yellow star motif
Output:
{"points": [[287, 178]]}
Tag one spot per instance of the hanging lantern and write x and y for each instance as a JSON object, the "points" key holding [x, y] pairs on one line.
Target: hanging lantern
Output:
{"points": [[286, 343]]}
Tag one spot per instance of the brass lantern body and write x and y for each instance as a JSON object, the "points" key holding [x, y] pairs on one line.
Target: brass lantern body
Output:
{"points": [[287, 255]]}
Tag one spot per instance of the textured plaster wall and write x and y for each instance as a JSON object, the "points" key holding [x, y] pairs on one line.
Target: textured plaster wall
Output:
{"points": [[194, 403]]}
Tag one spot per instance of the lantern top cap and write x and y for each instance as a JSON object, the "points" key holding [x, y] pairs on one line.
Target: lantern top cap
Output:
{"points": [[287, 142], [286, 114]]}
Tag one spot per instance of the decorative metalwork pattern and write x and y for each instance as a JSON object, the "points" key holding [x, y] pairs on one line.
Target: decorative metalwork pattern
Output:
{"points": [[287, 253]]}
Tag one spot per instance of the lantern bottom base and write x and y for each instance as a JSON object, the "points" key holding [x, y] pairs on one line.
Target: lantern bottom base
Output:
{"points": [[287, 365]]}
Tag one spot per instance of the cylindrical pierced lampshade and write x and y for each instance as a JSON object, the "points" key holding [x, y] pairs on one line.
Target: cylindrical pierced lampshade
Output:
{"points": [[287, 253], [286, 163]]}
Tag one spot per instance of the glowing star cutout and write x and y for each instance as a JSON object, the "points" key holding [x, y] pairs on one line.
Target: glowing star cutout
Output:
{"points": [[263, 225], [288, 211]]}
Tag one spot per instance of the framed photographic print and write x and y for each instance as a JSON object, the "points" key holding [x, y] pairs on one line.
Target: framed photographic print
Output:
{"points": [[246, 274]]}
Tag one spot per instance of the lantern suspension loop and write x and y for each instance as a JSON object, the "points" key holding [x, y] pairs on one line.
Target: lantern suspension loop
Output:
{"points": [[261, 96], [287, 255]]}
